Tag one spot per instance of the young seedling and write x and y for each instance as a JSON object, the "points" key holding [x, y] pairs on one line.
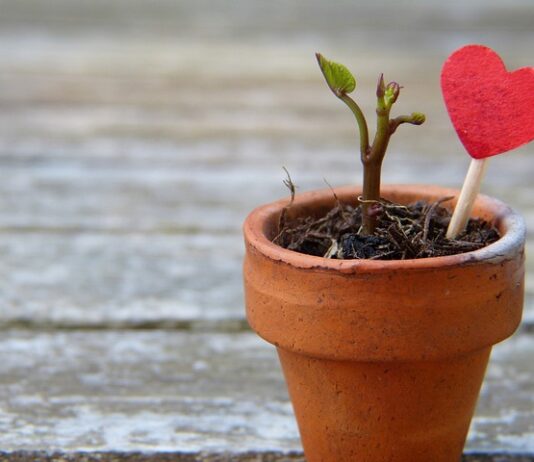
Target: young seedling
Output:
{"points": [[342, 82]]}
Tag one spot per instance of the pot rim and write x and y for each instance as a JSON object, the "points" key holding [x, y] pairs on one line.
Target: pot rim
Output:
{"points": [[508, 221]]}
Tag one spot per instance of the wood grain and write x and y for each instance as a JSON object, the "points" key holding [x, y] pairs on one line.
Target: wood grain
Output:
{"points": [[134, 138]]}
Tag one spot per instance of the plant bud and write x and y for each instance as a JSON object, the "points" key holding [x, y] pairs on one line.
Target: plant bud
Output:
{"points": [[380, 87], [392, 93], [418, 118]]}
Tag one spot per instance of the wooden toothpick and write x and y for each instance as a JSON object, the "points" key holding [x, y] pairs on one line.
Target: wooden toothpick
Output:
{"points": [[469, 192]]}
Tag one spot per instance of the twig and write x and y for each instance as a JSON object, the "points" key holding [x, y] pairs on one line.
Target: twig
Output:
{"points": [[288, 183], [430, 212]]}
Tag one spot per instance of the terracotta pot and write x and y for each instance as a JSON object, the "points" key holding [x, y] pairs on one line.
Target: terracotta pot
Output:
{"points": [[383, 359]]}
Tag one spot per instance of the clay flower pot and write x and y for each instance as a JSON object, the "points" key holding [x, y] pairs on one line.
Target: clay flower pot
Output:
{"points": [[383, 360]]}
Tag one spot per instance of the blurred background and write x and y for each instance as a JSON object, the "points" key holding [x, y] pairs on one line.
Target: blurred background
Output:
{"points": [[135, 136]]}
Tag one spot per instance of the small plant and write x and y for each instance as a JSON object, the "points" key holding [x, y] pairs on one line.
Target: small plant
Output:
{"points": [[342, 82]]}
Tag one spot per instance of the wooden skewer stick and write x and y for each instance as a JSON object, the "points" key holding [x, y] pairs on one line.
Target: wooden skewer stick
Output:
{"points": [[469, 192]]}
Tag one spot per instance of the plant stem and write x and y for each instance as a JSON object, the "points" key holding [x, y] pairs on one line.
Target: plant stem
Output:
{"points": [[372, 164], [372, 160], [362, 123], [371, 194]]}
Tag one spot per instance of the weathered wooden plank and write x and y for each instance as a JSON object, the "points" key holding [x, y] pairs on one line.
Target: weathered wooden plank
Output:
{"points": [[186, 393], [142, 391], [254, 456], [211, 191], [111, 456], [120, 136], [350, 24], [134, 280], [89, 280]]}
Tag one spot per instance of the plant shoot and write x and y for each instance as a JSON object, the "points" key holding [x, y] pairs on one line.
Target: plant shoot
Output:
{"points": [[342, 82]]}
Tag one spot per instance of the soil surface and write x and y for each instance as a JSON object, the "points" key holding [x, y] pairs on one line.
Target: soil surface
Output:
{"points": [[403, 232]]}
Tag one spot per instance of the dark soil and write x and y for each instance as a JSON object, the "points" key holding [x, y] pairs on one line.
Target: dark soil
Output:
{"points": [[403, 232]]}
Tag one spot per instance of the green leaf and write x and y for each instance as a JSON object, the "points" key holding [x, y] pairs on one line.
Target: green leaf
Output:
{"points": [[337, 76]]}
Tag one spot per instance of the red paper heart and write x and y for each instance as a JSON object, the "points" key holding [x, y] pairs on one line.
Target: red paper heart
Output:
{"points": [[491, 109]]}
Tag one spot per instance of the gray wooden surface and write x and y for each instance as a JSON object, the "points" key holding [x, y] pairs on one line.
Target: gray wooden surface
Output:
{"points": [[134, 138], [192, 392]]}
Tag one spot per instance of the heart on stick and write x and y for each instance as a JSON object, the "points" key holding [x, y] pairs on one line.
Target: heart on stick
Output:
{"points": [[491, 109]]}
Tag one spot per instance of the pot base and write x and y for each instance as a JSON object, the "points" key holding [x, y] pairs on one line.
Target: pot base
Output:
{"points": [[384, 411]]}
